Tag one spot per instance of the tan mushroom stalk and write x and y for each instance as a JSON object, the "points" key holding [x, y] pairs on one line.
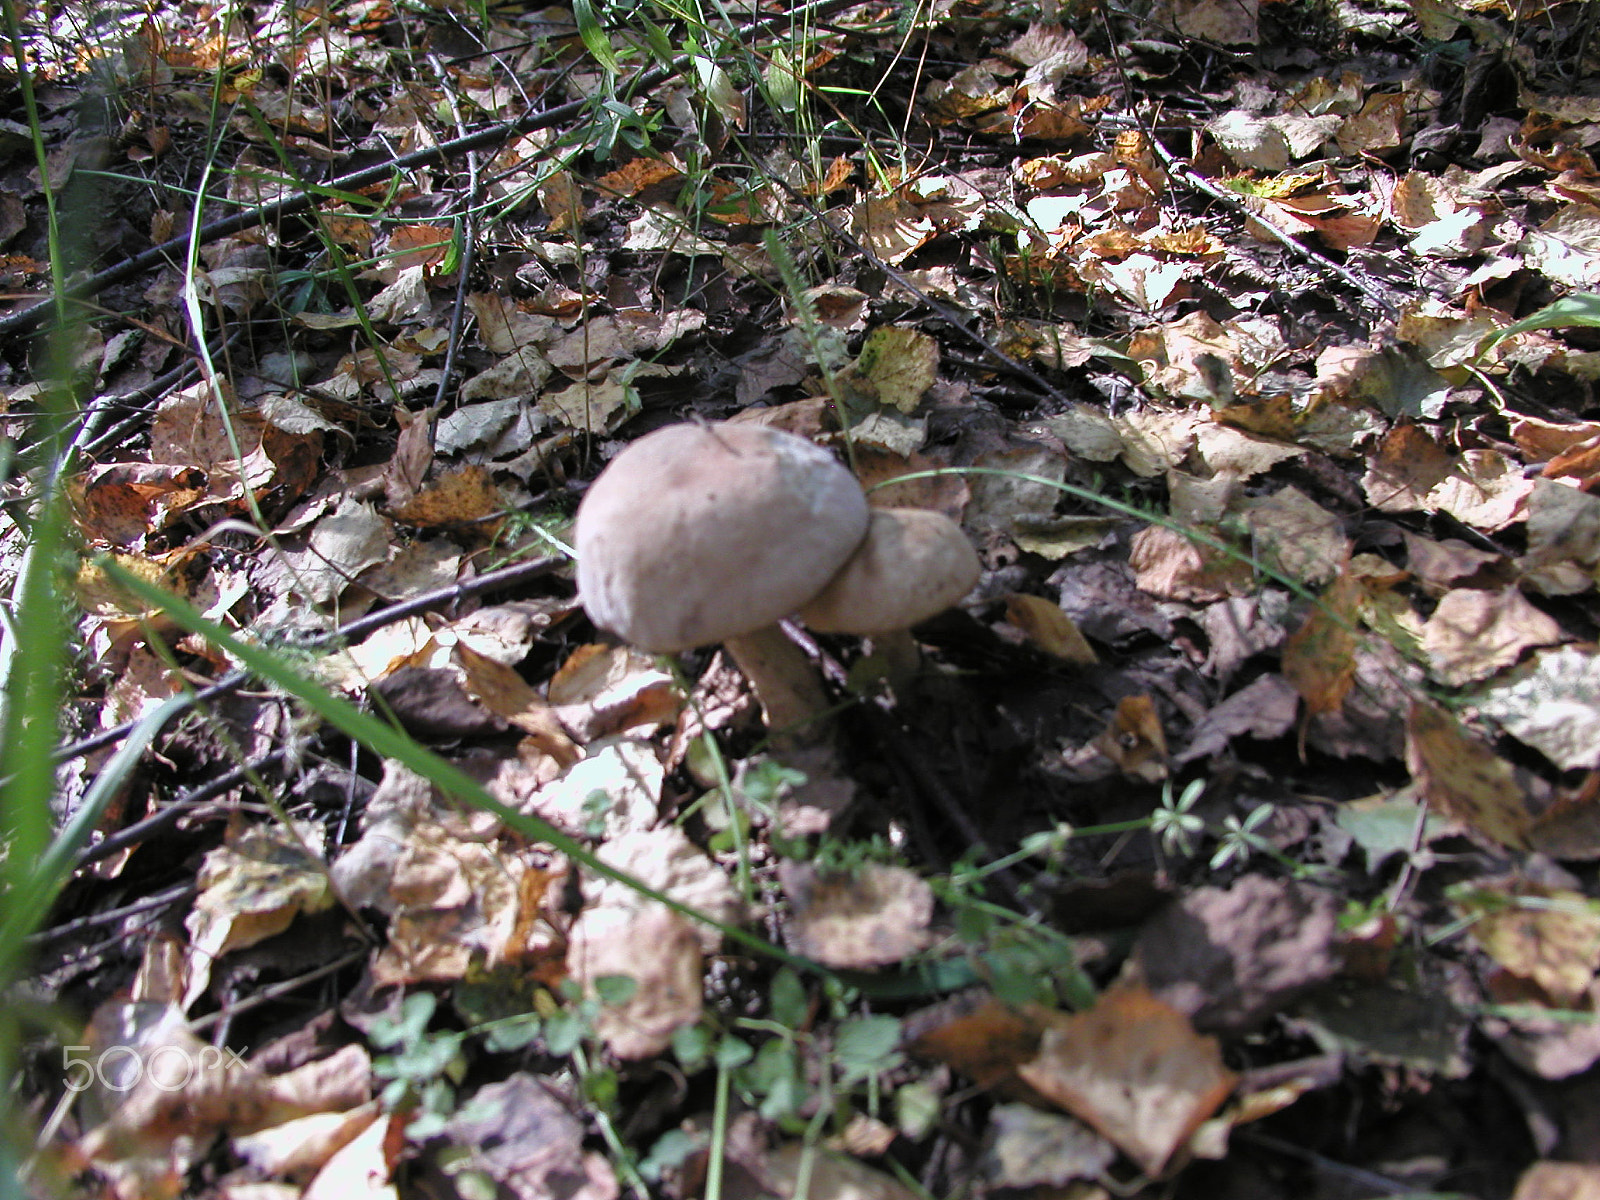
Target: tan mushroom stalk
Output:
{"points": [[713, 533], [912, 564]]}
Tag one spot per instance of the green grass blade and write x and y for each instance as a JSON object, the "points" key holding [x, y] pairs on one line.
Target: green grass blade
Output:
{"points": [[1583, 309], [389, 742]]}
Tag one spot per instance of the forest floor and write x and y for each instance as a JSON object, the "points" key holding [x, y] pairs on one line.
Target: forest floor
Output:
{"points": [[1233, 837]]}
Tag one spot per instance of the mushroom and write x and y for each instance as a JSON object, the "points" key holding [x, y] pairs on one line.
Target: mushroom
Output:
{"points": [[714, 533], [912, 564]]}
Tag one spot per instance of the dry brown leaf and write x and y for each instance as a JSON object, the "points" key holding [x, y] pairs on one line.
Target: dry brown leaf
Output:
{"points": [[417, 246], [1559, 1181], [637, 174], [303, 1146], [1048, 628], [1233, 444], [503, 692], [1463, 778], [602, 690], [454, 899], [1553, 706], [1169, 565], [189, 430], [1485, 489], [1030, 1148], [503, 327], [892, 227], [666, 860], [871, 917], [1230, 957], [1319, 658], [1135, 741], [421, 566], [1547, 936], [615, 788], [119, 503], [362, 1170], [596, 406], [252, 888], [342, 545], [1134, 1069], [1472, 634], [628, 333], [1439, 566], [1542, 441], [1563, 539], [1155, 441], [170, 1093], [981, 1038], [465, 495], [660, 951], [1263, 709], [1407, 467], [1297, 535], [829, 1176], [1380, 125], [901, 364], [528, 1141]]}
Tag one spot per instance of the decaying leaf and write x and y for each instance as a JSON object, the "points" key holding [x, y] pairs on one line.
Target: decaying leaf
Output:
{"points": [[869, 917], [1229, 957], [1134, 1069], [901, 364], [1319, 658], [1030, 1148], [1049, 628], [1472, 634], [1135, 741], [1554, 706], [1549, 937], [250, 889], [528, 1141], [1463, 778], [656, 948], [828, 1174]]}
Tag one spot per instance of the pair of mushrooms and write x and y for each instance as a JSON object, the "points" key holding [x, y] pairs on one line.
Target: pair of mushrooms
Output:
{"points": [[713, 533]]}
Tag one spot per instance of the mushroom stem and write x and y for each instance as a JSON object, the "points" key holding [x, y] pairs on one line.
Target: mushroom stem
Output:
{"points": [[784, 681]]}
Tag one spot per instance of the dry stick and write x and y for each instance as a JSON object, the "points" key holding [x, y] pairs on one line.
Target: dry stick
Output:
{"points": [[504, 577], [111, 915], [1228, 199], [275, 991], [469, 245], [169, 815], [157, 256], [1201, 184]]}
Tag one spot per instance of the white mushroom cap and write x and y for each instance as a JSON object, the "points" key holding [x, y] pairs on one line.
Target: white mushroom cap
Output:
{"points": [[702, 533], [914, 563]]}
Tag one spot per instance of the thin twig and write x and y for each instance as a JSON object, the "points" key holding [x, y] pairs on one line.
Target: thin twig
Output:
{"points": [[298, 202], [505, 577], [1201, 184], [171, 813], [78, 924]]}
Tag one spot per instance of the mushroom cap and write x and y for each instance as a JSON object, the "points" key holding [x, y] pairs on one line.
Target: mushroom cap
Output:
{"points": [[914, 563], [700, 533]]}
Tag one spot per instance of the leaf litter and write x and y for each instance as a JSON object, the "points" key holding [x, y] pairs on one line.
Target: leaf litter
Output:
{"points": [[1232, 836]]}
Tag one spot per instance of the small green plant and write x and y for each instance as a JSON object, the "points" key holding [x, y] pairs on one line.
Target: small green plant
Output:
{"points": [[1240, 838], [1175, 823], [423, 1068]]}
